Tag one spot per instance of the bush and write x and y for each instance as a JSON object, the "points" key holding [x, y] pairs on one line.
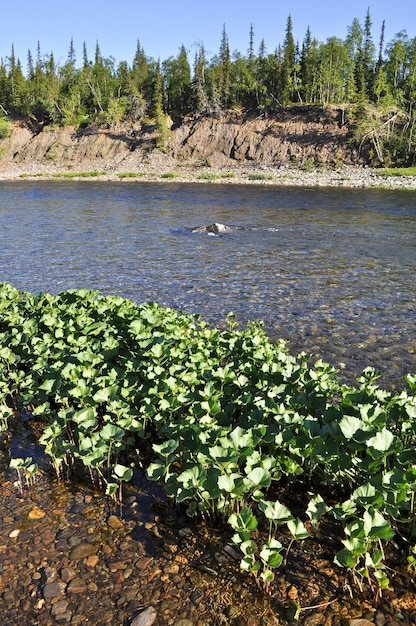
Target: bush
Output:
{"points": [[4, 127]]}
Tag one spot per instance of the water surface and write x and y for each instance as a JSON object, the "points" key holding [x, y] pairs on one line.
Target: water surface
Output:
{"points": [[331, 270]]}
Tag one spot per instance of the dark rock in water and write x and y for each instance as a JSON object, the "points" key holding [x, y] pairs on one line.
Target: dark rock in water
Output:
{"points": [[81, 551], [212, 228]]}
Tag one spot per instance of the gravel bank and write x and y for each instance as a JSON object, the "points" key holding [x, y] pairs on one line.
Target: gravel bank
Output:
{"points": [[160, 170]]}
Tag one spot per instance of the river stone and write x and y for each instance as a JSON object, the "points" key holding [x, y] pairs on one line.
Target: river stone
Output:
{"points": [[50, 575], [59, 607], [145, 618], [8, 597], [360, 622], [36, 513], [53, 590], [82, 551], [76, 585], [67, 574], [115, 522]]}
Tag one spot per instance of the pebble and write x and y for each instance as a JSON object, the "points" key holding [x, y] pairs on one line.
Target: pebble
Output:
{"points": [[67, 574], [8, 597], [315, 619], [59, 607], [82, 550], [53, 590], [92, 561], [115, 522], [36, 513], [76, 585], [145, 618], [25, 604], [144, 562]]}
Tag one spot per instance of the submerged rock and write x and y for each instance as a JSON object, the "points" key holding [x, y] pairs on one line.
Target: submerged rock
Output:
{"points": [[145, 618], [212, 228]]}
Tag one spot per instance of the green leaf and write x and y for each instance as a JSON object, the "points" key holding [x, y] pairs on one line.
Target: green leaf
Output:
{"points": [[297, 529], [105, 394], [275, 511], [122, 473], [244, 520], [350, 425], [382, 441], [316, 509], [111, 432], [345, 558]]}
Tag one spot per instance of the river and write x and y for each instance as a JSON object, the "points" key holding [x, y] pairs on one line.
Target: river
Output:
{"points": [[332, 270]]}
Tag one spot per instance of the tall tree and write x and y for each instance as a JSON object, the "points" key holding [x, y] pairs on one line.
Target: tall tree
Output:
{"points": [[288, 66], [199, 86], [369, 50], [177, 74], [224, 68]]}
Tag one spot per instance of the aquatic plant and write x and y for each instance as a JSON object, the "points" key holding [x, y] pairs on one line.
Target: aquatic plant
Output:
{"points": [[225, 419]]}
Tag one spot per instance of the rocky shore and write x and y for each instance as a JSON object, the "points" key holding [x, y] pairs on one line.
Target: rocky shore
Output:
{"points": [[167, 170]]}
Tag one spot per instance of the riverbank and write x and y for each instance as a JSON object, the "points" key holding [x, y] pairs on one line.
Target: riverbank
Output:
{"points": [[165, 170]]}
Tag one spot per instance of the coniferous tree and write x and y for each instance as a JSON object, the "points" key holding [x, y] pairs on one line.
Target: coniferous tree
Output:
{"points": [[368, 53], [288, 65], [177, 74], [224, 70], [199, 86]]}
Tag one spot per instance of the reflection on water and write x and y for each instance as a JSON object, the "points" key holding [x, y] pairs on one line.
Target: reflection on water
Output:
{"points": [[331, 270]]}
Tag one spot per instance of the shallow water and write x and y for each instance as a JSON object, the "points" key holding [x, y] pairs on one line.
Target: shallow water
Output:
{"points": [[331, 270]]}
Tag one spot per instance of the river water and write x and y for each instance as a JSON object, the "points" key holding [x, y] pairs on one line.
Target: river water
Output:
{"points": [[331, 270]]}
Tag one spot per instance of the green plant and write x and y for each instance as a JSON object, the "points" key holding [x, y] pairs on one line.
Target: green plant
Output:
{"points": [[5, 127], [92, 174], [222, 418], [260, 176], [26, 471], [170, 175]]}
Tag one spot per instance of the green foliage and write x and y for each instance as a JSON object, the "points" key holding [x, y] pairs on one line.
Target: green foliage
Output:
{"points": [[4, 127], [398, 171], [221, 418]]}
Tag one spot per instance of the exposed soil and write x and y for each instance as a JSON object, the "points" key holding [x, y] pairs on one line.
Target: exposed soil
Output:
{"points": [[307, 146]]}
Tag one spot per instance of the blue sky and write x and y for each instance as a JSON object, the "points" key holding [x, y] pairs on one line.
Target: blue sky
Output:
{"points": [[162, 26]]}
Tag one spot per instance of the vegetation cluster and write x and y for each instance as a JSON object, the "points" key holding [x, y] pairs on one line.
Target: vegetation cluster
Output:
{"points": [[375, 86], [232, 425]]}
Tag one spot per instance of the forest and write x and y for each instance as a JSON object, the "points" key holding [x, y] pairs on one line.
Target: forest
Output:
{"points": [[373, 81]]}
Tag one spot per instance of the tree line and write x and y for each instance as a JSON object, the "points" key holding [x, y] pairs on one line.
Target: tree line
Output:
{"points": [[375, 83]]}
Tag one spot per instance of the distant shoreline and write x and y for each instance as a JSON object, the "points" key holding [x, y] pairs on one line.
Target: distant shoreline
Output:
{"points": [[285, 175]]}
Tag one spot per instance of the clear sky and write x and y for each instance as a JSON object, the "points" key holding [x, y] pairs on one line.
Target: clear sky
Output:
{"points": [[162, 26]]}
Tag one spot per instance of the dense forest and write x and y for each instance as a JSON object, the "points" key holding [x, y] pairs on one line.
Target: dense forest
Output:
{"points": [[374, 83]]}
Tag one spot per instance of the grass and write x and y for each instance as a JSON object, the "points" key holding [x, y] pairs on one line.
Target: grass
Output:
{"points": [[260, 176], [78, 174], [130, 174], [215, 176], [398, 171], [64, 174], [170, 175]]}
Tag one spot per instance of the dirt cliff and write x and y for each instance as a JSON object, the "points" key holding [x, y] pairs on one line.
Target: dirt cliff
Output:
{"points": [[296, 135]]}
